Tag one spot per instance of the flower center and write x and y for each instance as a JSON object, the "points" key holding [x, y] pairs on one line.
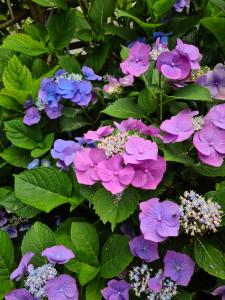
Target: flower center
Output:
{"points": [[116, 173], [211, 144]]}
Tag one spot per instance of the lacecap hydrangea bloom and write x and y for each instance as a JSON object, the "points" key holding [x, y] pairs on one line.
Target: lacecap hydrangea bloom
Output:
{"points": [[122, 156], [116, 289]]}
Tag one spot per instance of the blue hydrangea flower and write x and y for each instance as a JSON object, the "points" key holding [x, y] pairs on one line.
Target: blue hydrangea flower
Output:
{"points": [[33, 164], [89, 74], [48, 92], [83, 93]]}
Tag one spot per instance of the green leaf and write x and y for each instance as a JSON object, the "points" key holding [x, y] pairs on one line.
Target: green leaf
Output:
{"points": [[124, 108], [115, 209], [38, 238], [20, 96], [93, 290], [45, 146], [5, 55], [210, 171], [16, 157], [87, 273], [21, 135], [24, 44], [177, 153], [219, 3], [147, 101], [115, 256], [216, 25], [17, 76], [62, 234], [70, 64], [86, 243], [101, 10], [6, 263], [98, 56], [12, 203], [145, 26], [51, 3], [58, 27], [182, 295], [49, 188], [209, 258], [9, 103], [124, 52], [72, 119], [161, 7], [193, 92]]}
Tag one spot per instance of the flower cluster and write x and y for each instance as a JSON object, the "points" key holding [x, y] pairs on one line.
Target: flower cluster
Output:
{"points": [[123, 156], [209, 133], [12, 224], [198, 215], [76, 88], [42, 282]]}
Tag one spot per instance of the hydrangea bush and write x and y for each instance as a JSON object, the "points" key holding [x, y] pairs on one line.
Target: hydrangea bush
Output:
{"points": [[112, 149]]}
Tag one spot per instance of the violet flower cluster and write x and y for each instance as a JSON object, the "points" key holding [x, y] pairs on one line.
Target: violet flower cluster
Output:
{"points": [[123, 156], [208, 131], [44, 282], [77, 88]]}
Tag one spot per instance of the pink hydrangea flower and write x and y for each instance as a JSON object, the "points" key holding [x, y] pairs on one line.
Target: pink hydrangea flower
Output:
{"points": [[210, 143], [179, 267], [138, 150], [149, 174], [174, 65], [216, 115], [159, 220], [115, 176], [97, 135], [192, 52], [144, 249], [86, 163], [115, 85], [220, 291], [179, 128], [22, 267], [138, 60]]}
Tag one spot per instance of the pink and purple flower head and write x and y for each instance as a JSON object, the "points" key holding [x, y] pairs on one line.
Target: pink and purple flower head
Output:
{"points": [[114, 85], [210, 143], [114, 174], [220, 291], [54, 112], [180, 5], [191, 51], [174, 65], [58, 254], [116, 290], [144, 249], [216, 115], [179, 267], [63, 287], [179, 128], [32, 116], [138, 150], [86, 164], [18, 273], [89, 74], [138, 60], [19, 294], [65, 151], [149, 174], [159, 220], [97, 135], [214, 81]]}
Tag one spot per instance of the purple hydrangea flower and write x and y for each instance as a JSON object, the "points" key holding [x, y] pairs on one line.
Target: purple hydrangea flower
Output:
{"points": [[149, 174], [210, 143], [115, 176], [58, 254], [22, 267], [138, 60], [65, 151], [174, 65], [216, 115], [179, 128], [12, 232], [3, 219], [32, 116], [48, 92], [54, 112], [89, 74], [220, 291], [97, 135], [191, 51], [33, 164], [19, 294], [82, 93], [181, 4], [155, 283], [128, 230], [214, 81], [86, 165], [116, 290], [179, 267], [66, 87], [144, 249], [159, 220], [63, 287], [140, 39], [28, 103], [138, 150]]}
